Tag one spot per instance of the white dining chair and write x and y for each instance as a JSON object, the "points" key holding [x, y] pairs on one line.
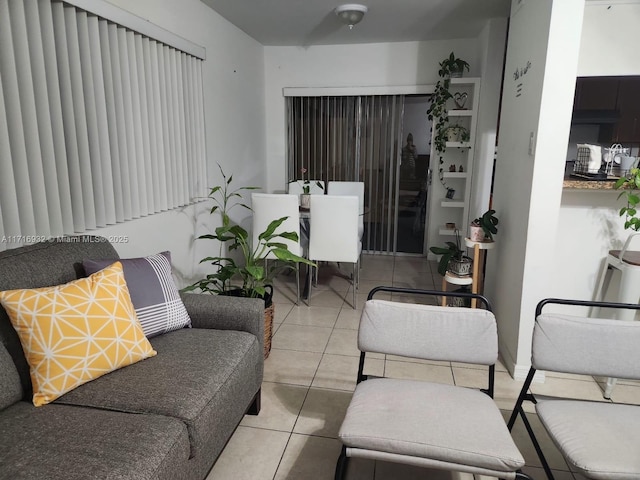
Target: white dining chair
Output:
{"points": [[350, 188], [296, 186], [269, 207], [334, 234]]}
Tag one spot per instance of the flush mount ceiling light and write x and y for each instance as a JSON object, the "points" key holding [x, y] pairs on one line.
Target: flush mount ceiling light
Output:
{"points": [[351, 13]]}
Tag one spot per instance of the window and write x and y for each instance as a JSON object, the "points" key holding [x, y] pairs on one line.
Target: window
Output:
{"points": [[99, 123]]}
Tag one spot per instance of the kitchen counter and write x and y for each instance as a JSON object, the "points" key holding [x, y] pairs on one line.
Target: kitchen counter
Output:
{"points": [[572, 183]]}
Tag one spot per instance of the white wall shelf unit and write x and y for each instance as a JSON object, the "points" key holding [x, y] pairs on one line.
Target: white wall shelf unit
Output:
{"points": [[455, 174], [443, 210]]}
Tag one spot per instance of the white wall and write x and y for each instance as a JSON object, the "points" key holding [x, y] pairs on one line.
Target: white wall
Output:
{"points": [[544, 34], [609, 45], [233, 77], [589, 223], [492, 42], [380, 64]]}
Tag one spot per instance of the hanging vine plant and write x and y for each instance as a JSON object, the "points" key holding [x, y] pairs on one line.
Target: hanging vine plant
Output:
{"points": [[437, 112]]}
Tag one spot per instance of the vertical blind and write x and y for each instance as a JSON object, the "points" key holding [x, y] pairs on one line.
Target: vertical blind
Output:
{"points": [[351, 138], [98, 124]]}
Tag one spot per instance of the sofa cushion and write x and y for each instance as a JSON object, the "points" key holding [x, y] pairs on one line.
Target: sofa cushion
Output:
{"points": [[76, 332], [41, 265], [153, 292], [76, 443], [10, 388], [206, 378]]}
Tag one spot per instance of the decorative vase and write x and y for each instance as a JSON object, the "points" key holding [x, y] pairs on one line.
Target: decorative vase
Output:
{"points": [[476, 233], [305, 201], [453, 135], [461, 267], [456, 73]]}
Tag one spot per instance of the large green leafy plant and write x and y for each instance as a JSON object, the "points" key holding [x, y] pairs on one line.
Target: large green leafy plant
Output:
{"points": [[250, 276]]}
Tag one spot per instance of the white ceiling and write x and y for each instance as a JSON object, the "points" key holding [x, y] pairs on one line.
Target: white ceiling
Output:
{"points": [[313, 22]]}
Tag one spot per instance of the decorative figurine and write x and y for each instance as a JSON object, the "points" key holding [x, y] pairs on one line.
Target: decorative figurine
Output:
{"points": [[461, 169], [452, 168]]}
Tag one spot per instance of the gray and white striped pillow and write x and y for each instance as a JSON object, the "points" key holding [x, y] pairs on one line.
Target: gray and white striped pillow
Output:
{"points": [[153, 292]]}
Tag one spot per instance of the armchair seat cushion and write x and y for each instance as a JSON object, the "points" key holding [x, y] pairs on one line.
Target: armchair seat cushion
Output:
{"points": [[200, 377], [445, 423], [574, 424]]}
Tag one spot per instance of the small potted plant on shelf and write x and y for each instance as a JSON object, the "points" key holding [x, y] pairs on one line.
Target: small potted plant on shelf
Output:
{"points": [[457, 133], [631, 184], [453, 67], [483, 228], [453, 258]]}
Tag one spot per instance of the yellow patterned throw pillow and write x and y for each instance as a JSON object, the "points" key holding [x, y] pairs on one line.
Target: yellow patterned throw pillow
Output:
{"points": [[74, 333]]}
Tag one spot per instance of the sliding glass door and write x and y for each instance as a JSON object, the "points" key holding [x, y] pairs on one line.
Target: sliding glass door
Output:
{"points": [[352, 138]]}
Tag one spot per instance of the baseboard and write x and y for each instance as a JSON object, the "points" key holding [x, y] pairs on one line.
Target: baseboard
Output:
{"points": [[519, 371]]}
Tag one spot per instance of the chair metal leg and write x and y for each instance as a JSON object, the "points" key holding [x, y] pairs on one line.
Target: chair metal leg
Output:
{"points": [[523, 475], [310, 283], [354, 284], [297, 284], [611, 382], [341, 464]]}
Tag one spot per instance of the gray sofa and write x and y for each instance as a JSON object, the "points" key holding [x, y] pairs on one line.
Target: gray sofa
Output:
{"points": [[167, 417]]}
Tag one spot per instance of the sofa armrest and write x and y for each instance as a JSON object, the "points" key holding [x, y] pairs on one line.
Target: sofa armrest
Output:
{"points": [[226, 313]]}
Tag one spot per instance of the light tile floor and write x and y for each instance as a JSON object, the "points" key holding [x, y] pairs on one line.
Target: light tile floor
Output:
{"points": [[310, 375]]}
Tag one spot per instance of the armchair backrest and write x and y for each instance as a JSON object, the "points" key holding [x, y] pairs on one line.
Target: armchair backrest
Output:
{"points": [[586, 346], [429, 332]]}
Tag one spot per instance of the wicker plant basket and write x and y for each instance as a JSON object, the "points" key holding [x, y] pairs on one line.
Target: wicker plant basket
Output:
{"points": [[268, 329]]}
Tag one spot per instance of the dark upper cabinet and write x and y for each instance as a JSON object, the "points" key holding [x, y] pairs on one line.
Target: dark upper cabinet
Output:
{"points": [[613, 103], [596, 93], [627, 129]]}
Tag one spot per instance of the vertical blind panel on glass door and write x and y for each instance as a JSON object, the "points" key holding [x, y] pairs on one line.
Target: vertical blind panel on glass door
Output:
{"points": [[98, 124], [351, 138]]}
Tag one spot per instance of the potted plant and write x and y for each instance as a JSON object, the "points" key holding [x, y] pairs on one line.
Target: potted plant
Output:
{"points": [[630, 184], [453, 67], [453, 258], [437, 112], [305, 200], [249, 277], [483, 228], [457, 133]]}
